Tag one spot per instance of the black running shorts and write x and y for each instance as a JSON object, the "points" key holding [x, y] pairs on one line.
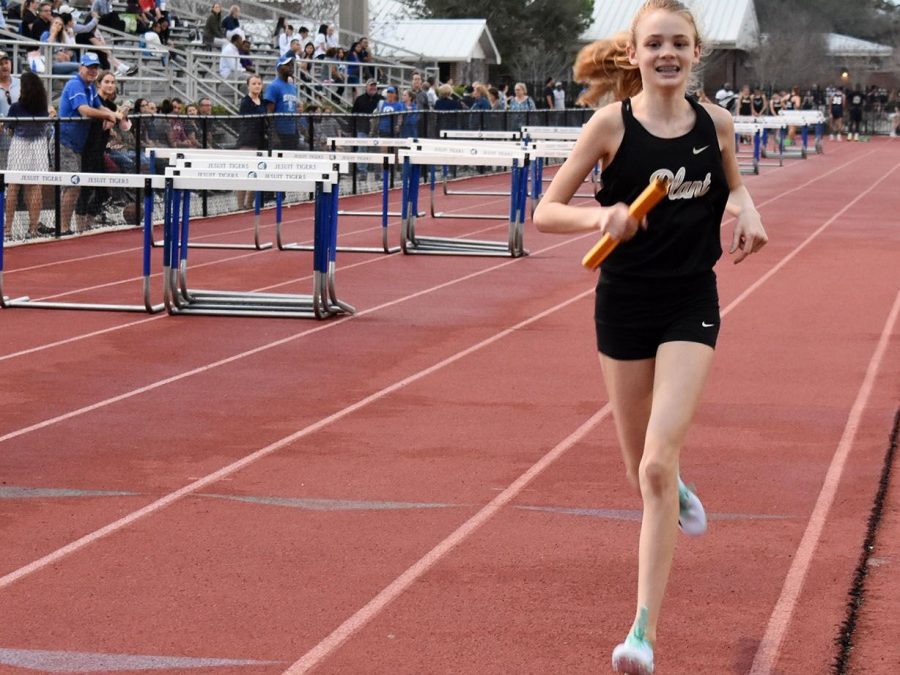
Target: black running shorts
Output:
{"points": [[634, 317]]}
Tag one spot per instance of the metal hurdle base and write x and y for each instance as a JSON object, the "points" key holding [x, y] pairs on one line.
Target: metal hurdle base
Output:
{"points": [[320, 305], [147, 308], [413, 244]]}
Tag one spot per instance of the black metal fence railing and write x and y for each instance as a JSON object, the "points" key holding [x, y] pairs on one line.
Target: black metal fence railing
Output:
{"points": [[73, 145], [28, 144]]}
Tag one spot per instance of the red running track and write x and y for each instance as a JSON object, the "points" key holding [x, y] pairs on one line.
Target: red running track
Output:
{"points": [[434, 485]]}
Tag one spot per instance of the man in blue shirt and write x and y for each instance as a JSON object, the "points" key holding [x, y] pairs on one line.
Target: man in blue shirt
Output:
{"points": [[281, 97], [79, 99]]}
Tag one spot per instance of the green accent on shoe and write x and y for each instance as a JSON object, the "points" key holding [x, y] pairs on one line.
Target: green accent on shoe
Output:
{"points": [[639, 630], [684, 493]]}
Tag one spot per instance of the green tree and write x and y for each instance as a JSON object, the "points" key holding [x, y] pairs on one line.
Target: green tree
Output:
{"points": [[519, 27]]}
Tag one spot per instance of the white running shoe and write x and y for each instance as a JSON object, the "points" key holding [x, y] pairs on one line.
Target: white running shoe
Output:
{"points": [[635, 655], [691, 515]]}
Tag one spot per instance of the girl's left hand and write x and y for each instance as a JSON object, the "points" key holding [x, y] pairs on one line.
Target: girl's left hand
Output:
{"points": [[749, 235]]}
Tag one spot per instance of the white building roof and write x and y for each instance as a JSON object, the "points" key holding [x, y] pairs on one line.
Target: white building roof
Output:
{"points": [[723, 24], [844, 45], [436, 39]]}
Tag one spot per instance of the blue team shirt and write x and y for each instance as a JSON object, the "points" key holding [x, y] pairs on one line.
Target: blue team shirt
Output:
{"points": [[284, 96], [76, 93], [386, 123]]}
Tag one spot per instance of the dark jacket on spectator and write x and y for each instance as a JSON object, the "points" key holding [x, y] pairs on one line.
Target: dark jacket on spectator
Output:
{"points": [[365, 104], [230, 23], [213, 28]]}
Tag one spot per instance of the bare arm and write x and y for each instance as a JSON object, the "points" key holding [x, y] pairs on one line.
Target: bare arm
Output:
{"points": [[598, 142], [749, 234]]}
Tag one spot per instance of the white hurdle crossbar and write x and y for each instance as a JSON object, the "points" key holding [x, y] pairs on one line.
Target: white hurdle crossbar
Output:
{"points": [[534, 133], [86, 180]]}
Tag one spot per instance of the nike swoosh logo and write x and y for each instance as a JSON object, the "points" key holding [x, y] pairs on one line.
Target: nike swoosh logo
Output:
{"points": [[707, 325], [698, 151]]}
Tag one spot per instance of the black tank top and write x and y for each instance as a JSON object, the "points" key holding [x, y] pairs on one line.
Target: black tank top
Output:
{"points": [[776, 105], [757, 104], [682, 237], [745, 106]]}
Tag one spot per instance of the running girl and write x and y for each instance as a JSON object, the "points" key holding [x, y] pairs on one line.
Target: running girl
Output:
{"points": [[657, 314]]}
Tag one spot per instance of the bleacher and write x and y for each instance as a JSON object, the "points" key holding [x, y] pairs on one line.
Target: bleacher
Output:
{"points": [[189, 70]]}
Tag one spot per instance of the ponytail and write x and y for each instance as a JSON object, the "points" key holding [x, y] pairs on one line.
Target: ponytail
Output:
{"points": [[605, 67]]}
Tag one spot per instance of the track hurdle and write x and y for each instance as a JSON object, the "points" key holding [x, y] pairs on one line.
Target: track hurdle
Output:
{"points": [[806, 119], [86, 180], [477, 153], [170, 155], [755, 132], [768, 123], [542, 150], [250, 166], [418, 156], [503, 139], [386, 161], [373, 145], [180, 298]]}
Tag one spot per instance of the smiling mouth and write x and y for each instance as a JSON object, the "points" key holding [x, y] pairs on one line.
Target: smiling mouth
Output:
{"points": [[668, 69]]}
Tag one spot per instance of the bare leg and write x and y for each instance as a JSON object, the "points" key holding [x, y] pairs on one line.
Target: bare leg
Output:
{"points": [[69, 197], [681, 371], [33, 202], [629, 386], [12, 196]]}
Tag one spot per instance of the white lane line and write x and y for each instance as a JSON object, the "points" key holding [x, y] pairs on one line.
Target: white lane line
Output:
{"points": [[111, 329], [395, 588], [84, 336], [767, 653], [201, 483], [426, 562], [267, 346]]}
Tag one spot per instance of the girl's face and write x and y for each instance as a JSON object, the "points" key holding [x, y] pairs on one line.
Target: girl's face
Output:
{"points": [[254, 86], [407, 98], [108, 84], [56, 24], [308, 50], [665, 49], [192, 110]]}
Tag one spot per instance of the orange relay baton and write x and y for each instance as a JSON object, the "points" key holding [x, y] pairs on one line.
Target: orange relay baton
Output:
{"points": [[640, 207]]}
